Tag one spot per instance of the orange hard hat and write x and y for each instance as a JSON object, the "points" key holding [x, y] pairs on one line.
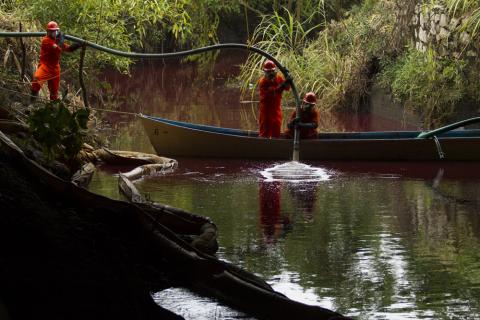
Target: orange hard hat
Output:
{"points": [[52, 25], [310, 98], [269, 65]]}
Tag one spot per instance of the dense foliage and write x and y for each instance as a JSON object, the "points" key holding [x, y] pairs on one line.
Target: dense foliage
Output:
{"points": [[336, 48], [426, 84], [331, 58], [436, 82], [341, 60], [59, 131], [471, 8]]}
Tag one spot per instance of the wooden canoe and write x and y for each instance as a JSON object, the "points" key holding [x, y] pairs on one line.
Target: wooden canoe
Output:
{"points": [[175, 138]]}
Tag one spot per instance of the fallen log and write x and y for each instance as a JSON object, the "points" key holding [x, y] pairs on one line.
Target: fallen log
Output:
{"points": [[129, 158], [199, 231], [150, 169], [200, 271], [12, 126]]}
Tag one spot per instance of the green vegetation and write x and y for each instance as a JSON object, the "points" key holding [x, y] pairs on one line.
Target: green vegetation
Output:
{"points": [[427, 84], [59, 131], [471, 8], [334, 62], [374, 42], [336, 48]]}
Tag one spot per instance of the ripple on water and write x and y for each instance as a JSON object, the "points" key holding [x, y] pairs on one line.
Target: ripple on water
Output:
{"points": [[294, 171], [192, 306]]}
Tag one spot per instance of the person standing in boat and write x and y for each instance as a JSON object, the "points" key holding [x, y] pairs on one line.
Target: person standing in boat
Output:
{"points": [[271, 86], [309, 118], [49, 67]]}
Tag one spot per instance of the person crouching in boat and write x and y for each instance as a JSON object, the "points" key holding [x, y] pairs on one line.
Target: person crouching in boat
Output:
{"points": [[309, 118], [49, 67], [271, 86]]}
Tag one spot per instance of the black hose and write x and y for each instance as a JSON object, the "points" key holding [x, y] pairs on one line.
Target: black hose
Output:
{"points": [[182, 54]]}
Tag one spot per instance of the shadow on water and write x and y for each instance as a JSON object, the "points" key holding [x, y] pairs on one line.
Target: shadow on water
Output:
{"points": [[373, 231], [373, 240]]}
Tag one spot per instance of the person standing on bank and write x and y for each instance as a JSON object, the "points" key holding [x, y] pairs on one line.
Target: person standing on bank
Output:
{"points": [[271, 86], [309, 118], [49, 67]]}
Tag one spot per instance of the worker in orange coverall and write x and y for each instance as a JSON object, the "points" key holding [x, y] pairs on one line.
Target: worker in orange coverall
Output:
{"points": [[309, 118], [271, 86], [49, 67]]}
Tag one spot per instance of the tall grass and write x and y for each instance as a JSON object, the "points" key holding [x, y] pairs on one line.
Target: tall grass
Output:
{"points": [[331, 59], [427, 84], [282, 36], [435, 85], [472, 8]]}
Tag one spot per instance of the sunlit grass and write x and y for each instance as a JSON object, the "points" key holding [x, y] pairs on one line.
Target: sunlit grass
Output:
{"points": [[330, 59]]}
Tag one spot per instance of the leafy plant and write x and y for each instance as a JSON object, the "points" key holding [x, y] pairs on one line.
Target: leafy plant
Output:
{"points": [[426, 83], [281, 36], [59, 131], [472, 7], [332, 59]]}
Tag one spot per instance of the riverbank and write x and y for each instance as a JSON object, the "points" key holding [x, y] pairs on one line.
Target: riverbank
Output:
{"points": [[63, 260]]}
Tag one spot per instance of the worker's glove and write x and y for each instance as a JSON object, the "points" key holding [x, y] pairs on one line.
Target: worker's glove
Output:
{"points": [[292, 124], [75, 46], [285, 83], [60, 38]]}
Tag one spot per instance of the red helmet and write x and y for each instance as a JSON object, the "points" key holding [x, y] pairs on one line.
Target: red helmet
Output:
{"points": [[269, 65], [310, 98], [52, 25]]}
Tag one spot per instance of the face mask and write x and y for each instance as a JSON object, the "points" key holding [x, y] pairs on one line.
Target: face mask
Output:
{"points": [[308, 107], [52, 34]]}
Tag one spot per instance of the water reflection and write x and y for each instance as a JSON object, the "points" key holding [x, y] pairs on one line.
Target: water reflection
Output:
{"points": [[273, 224], [276, 222], [368, 246], [380, 240], [177, 91], [304, 197], [192, 306]]}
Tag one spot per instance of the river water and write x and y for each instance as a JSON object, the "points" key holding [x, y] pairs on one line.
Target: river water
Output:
{"points": [[372, 240]]}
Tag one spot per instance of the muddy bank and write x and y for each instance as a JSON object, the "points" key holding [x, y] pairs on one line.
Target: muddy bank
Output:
{"points": [[63, 260]]}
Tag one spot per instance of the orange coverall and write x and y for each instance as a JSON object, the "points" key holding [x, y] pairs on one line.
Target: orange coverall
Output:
{"points": [[306, 117], [49, 66], [270, 117]]}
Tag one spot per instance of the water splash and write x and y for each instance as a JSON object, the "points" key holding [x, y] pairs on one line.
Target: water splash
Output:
{"points": [[295, 171]]}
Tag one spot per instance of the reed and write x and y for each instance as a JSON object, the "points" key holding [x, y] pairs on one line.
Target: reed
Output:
{"points": [[472, 10], [427, 84], [284, 37], [331, 59]]}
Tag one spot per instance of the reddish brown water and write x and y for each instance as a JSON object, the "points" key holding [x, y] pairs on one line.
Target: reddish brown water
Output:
{"points": [[374, 240], [186, 94]]}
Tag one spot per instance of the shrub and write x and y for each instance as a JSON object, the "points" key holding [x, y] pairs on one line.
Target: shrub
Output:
{"points": [[59, 131], [426, 83]]}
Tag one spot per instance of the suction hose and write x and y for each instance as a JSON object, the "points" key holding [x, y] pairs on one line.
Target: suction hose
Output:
{"points": [[296, 139]]}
